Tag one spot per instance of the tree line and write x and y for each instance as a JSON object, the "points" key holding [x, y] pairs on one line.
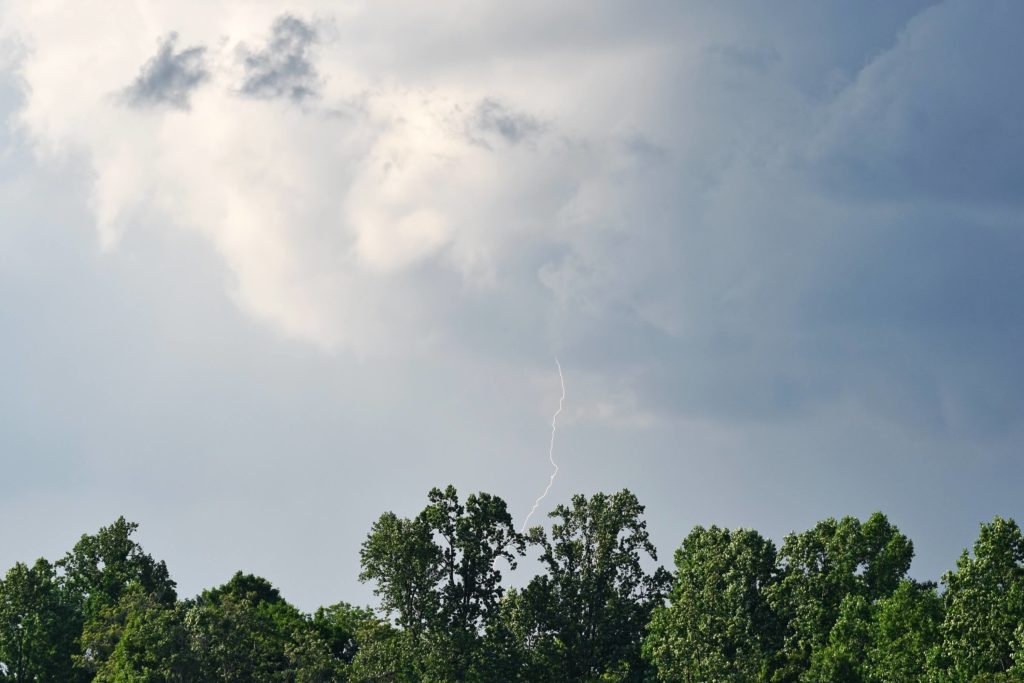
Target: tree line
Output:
{"points": [[832, 604]]}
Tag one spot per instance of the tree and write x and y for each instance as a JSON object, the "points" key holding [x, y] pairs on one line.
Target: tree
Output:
{"points": [[245, 631], [843, 658], [363, 647], [818, 569], [985, 604], [386, 653], [832, 605], [592, 606], [342, 627], [438, 575], [101, 567], [718, 625], [38, 626], [311, 659], [514, 652], [138, 639], [401, 557], [1016, 671], [905, 636], [894, 640]]}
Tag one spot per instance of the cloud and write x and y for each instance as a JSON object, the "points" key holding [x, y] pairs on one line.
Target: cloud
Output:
{"points": [[169, 77], [935, 116], [493, 118], [720, 214], [283, 67]]}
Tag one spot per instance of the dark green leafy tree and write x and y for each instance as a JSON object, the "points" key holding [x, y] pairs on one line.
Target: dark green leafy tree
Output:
{"points": [[514, 650], [312, 660], [439, 576], [342, 627], [363, 647], [38, 626], [982, 632], [387, 653], [101, 567], [475, 536], [718, 625], [818, 569], [591, 607], [401, 557], [352, 643], [249, 587], [245, 631], [138, 639]]}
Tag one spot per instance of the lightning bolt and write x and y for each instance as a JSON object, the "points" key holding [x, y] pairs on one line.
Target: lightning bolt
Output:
{"points": [[551, 450]]}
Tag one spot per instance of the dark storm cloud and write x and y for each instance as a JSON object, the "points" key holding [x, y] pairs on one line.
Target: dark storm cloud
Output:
{"points": [[282, 68], [936, 117], [760, 297], [169, 77]]}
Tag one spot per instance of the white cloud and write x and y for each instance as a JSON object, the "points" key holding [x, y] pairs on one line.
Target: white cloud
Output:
{"points": [[333, 217]]}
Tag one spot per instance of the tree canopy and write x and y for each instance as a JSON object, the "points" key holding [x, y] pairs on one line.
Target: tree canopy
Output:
{"points": [[830, 604]]}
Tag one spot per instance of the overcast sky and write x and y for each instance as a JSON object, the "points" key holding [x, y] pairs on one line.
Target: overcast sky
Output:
{"points": [[268, 270]]}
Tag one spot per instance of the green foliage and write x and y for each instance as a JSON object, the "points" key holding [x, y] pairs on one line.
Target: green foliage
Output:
{"points": [[514, 650], [101, 567], [718, 625], [311, 659], [387, 654], [842, 659], [38, 625], [905, 635], [985, 605], [818, 569], [138, 640], [833, 605], [342, 627], [591, 607], [244, 631], [248, 587], [439, 576], [401, 557]]}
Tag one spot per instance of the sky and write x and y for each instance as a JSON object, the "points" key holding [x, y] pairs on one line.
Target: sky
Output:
{"points": [[270, 269]]}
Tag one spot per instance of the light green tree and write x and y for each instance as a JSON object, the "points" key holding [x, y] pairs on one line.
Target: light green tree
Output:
{"points": [[905, 636], [818, 569], [985, 605], [842, 659], [718, 625], [138, 640]]}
